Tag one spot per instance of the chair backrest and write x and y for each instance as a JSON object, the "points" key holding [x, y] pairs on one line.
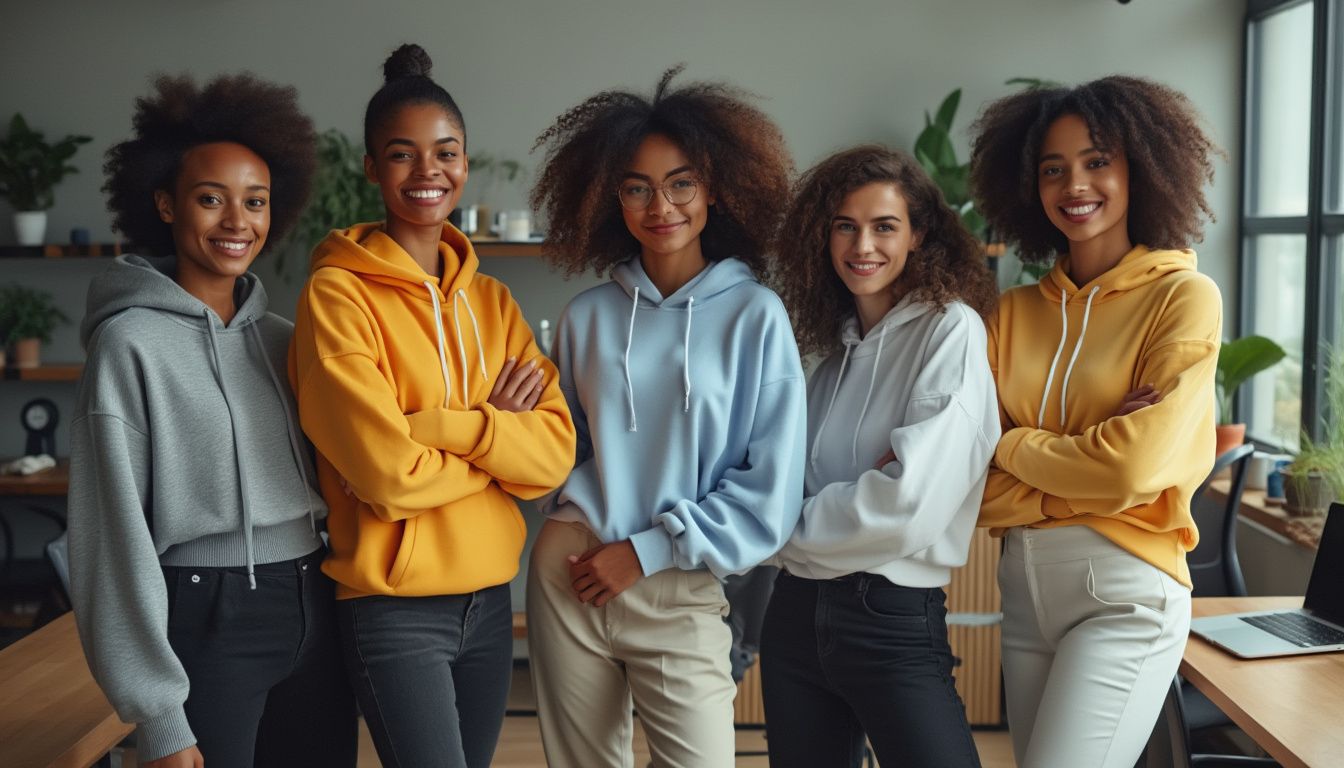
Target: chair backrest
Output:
{"points": [[58, 552], [1214, 567]]}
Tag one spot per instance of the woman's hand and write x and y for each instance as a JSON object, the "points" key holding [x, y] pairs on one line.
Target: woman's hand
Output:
{"points": [[603, 572], [1140, 398], [517, 388], [886, 459], [188, 758]]}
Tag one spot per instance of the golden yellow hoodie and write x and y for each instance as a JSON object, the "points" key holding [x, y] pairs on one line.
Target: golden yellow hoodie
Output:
{"points": [[1063, 358], [392, 369]]}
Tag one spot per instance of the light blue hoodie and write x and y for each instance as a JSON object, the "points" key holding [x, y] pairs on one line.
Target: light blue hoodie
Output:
{"points": [[690, 413]]}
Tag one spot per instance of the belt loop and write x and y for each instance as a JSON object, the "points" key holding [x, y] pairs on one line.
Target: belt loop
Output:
{"points": [[863, 583]]}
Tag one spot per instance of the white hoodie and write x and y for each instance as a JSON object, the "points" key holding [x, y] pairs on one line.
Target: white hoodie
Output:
{"points": [[919, 384]]}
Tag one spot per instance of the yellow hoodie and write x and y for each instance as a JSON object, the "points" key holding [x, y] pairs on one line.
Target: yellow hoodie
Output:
{"points": [[392, 370], [1065, 458]]}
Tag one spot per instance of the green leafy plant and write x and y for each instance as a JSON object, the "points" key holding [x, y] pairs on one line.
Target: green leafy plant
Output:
{"points": [[934, 150], [27, 313], [1238, 361], [489, 170], [1324, 457], [341, 196], [30, 168]]}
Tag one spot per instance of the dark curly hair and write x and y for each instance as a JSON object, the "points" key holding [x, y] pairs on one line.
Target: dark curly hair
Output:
{"points": [[949, 264], [735, 148], [179, 115], [1157, 129], [406, 81]]}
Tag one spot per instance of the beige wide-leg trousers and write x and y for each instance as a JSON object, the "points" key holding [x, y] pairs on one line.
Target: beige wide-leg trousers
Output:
{"points": [[661, 645]]}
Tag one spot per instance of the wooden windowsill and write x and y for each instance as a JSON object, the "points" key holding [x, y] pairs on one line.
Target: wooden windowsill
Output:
{"points": [[1303, 531]]}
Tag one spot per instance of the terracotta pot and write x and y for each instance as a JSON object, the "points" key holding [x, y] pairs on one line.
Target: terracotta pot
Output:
{"points": [[27, 353], [1227, 437], [1308, 496]]}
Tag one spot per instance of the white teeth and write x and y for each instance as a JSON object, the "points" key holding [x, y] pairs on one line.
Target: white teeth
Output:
{"points": [[863, 268], [1082, 210], [425, 194], [230, 245]]}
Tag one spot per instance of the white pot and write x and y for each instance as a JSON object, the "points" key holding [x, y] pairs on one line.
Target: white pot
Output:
{"points": [[30, 227]]}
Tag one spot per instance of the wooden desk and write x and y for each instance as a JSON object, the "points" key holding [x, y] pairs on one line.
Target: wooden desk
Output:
{"points": [[1289, 705], [51, 711], [50, 482]]}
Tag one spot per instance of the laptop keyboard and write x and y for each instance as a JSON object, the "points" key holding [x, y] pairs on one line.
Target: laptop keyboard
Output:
{"points": [[1300, 630]]}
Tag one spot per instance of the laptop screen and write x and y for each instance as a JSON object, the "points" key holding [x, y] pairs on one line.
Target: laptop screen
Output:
{"points": [[1325, 592]]}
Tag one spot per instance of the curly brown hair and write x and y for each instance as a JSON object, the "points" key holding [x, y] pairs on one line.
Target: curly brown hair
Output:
{"points": [[735, 148], [179, 115], [1157, 129], [948, 266]]}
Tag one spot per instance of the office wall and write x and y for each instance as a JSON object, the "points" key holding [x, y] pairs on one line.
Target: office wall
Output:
{"points": [[832, 74]]}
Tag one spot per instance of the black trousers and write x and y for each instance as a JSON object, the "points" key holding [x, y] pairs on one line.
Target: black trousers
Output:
{"points": [[855, 655], [431, 674], [267, 684]]}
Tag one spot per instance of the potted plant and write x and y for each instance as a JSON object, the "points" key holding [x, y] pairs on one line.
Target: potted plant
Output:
{"points": [[1239, 360], [341, 196], [30, 316], [1316, 476], [30, 168], [487, 171]]}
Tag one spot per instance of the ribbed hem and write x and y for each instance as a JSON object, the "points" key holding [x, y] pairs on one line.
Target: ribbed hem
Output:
{"points": [[911, 573], [163, 735], [270, 544]]}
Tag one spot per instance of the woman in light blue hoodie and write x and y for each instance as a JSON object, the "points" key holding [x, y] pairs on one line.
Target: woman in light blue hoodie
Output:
{"points": [[902, 424], [687, 393]]}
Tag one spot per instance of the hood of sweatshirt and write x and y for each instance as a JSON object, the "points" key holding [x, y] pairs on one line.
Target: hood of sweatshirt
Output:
{"points": [[1138, 268], [715, 280], [367, 251], [137, 282], [147, 283]]}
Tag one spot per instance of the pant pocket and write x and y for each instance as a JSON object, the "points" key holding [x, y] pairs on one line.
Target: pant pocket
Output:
{"points": [[893, 602], [1125, 581], [701, 590]]}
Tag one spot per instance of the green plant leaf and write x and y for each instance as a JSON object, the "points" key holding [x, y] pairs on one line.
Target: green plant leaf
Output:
{"points": [[1238, 361], [948, 110]]}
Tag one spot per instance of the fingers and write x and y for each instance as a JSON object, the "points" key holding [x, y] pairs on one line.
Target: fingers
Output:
{"points": [[521, 380], [590, 592], [503, 376], [535, 397], [603, 598]]}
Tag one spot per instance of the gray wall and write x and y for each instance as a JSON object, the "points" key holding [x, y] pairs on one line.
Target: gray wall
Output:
{"points": [[832, 74]]}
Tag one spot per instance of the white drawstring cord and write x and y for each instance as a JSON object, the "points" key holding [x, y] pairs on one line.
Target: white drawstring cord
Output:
{"points": [[686, 357], [854, 448], [629, 339], [438, 328], [1063, 336], [1077, 347], [816, 441]]}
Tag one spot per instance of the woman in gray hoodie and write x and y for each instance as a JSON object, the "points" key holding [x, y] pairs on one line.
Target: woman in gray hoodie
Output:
{"points": [[194, 546]]}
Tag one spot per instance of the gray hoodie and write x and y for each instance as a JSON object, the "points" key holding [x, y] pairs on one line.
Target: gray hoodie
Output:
{"points": [[185, 452]]}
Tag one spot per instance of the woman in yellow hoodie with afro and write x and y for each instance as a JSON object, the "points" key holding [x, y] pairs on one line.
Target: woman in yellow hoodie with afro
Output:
{"points": [[1105, 374], [420, 385]]}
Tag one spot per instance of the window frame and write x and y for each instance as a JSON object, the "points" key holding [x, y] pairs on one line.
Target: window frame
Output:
{"points": [[1319, 226]]}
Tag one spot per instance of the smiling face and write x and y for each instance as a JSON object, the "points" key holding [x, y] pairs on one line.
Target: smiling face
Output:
{"points": [[219, 210], [662, 228], [419, 164], [870, 240], [1084, 191]]}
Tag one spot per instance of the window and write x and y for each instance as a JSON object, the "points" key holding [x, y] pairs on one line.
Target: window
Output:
{"points": [[1292, 222]]}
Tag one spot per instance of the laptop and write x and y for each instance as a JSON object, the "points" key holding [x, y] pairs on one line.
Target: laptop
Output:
{"points": [[1317, 627]]}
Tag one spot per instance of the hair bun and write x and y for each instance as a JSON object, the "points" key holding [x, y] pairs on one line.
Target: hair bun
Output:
{"points": [[410, 60]]}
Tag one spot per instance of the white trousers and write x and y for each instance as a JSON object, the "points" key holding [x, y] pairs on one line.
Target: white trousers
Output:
{"points": [[662, 645], [1092, 637]]}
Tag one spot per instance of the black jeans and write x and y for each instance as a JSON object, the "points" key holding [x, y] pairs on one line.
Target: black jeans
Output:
{"points": [[858, 654], [431, 674], [267, 684]]}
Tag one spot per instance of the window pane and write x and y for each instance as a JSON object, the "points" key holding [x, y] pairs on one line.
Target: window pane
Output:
{"points": [[1280, 112], [1279, 264], [1334, 111], [1333, 332]]}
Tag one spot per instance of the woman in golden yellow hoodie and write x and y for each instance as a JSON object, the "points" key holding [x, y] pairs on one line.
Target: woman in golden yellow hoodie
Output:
{"points": [[1105, 374], [429, 403]]}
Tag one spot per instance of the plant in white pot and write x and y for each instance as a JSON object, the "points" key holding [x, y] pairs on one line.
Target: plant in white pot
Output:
{"points": [[1238, 361], [30, 169], [30, 316], [1316, 476]]}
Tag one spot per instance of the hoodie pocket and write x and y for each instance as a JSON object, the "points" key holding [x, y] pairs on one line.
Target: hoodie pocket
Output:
{"points": [[402, 562]]}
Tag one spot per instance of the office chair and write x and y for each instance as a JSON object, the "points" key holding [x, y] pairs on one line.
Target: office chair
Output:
{"points": [[1214, 567], [1171, 736]]}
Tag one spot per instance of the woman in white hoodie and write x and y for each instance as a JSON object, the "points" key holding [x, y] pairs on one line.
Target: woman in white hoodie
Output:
{"points": [[902, 421]]}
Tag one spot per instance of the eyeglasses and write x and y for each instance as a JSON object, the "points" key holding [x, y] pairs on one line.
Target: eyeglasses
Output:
{"points": [[636, 195]]}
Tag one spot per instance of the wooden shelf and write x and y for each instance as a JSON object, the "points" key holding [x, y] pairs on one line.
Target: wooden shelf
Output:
{"points": [[1303, 531], [48, 482], [506, 248], [47, 372], [57, 251]]}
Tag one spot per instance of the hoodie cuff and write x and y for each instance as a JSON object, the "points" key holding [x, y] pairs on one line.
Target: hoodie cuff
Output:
{"points": [[163, 735], [1056, 507], [460, 433], [654, 548], [1003, 452]]}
